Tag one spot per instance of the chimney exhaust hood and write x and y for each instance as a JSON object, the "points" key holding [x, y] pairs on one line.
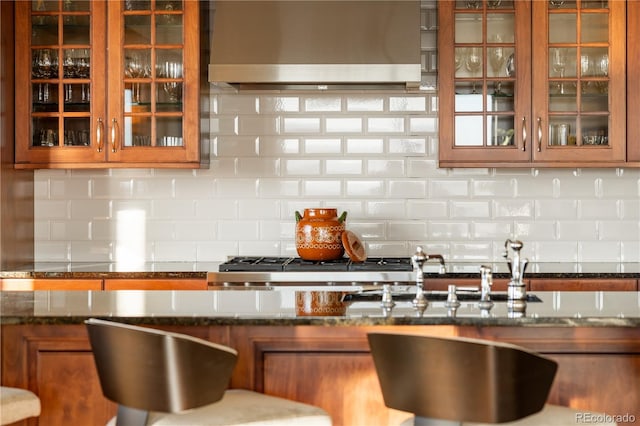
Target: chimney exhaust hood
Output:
{"points": [[315, 44]]}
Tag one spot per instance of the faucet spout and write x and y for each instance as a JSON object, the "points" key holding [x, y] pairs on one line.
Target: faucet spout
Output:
{"points": [[516, 290]]}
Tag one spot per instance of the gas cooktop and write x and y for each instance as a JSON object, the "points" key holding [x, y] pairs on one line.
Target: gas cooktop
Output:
{"points": [[295, 264]]}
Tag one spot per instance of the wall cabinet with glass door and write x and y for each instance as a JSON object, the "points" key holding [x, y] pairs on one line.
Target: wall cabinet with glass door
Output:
{"points": [[107, 84], [532, 83]]}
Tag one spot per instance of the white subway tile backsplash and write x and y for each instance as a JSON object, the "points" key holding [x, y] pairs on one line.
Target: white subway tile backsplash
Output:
{"points": [[237, 230], [408, 103], [259, 209], [403, 230], [258, 167], [365, 104], [276, 104], [600, 251], [530, 230], [301, 125], [618, 230], [470, 209], [365, 146], [322, 188], [493, 187], [385, 209], [368, 230], [323, 104], [75, 230], [175, 251], [82, 209], [388, 168], [406, 188], [599, 209], [278, 188], [385, 124], [323, 146], [582, 231], [630, 251], [425, 209], [449, 231], [445, 188], [77, 188], [494, 231], [216, 209], [170, 209], [422, 125], [236, 146], [365, 188], [513, 209], [236, 188], [554, 251], [407, 146], [301, 167], [153, 188], [556, 209], [343, 167], [194, 231], [273, 146], [343, 125], [53, 251]]}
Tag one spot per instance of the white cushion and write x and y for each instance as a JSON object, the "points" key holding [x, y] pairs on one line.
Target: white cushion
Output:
{"points": [[17, 404], [241, 407], [551, 415]]}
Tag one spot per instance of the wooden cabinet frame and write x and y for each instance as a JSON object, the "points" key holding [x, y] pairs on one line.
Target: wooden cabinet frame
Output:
{"points": [[107, 113], [531, 121]]}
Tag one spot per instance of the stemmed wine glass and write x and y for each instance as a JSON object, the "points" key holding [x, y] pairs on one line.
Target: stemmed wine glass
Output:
{"points": [[172, 70], [559, 63], [497, 60], [602, 70], [137, 66], [473, 63]]}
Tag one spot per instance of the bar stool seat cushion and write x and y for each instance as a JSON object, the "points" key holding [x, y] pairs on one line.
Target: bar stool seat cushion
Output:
{"points": [[242, 407], [551, 415], [17, 404]]}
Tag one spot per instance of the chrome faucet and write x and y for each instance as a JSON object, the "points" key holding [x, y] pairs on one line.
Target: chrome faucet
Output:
{"points": [[420, 302], [516, 290], [486, 281]]}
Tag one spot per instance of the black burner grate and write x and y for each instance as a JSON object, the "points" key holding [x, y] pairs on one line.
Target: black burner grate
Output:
{"points": [[291, 264]]}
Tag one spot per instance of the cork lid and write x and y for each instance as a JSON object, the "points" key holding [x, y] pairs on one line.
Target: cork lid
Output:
{"points": [[354, 247]]}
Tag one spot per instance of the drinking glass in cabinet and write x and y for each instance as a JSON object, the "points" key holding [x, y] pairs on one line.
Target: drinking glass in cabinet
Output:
{"points": [[45, 64], [172, 70], [473, 63]]}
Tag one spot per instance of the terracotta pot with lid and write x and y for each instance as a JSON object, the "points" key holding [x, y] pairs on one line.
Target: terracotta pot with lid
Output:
{"points": [[319, 234]]}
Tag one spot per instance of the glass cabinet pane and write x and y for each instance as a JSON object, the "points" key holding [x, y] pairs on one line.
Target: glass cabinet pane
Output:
{"points": [[578, 73], [153, 74], [485, 73]]}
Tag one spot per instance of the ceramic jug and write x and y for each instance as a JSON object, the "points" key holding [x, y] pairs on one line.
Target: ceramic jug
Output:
{"points": [[319, 234]]}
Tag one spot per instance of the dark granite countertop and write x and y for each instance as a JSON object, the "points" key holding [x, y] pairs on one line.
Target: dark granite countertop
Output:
{"points": [[276, 307], [158, 270]]}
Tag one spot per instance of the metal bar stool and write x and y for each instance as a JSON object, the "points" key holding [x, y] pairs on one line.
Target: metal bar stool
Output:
{"points": [[455, 381], [163, 378], [17, 404]]}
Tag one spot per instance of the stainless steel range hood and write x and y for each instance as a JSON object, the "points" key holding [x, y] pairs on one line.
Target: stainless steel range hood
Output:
{"points": [[315, 44]]}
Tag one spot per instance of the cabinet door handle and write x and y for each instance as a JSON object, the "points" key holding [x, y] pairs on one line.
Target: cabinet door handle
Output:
{"points": [[99, 132], [539, 134], [524, 133], [114, 132]]}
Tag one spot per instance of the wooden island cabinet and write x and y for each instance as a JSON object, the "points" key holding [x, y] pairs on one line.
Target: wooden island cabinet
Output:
{"points": [[328, 366]]}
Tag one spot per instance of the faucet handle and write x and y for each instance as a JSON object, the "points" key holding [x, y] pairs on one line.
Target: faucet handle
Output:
{"points": [[419, 258]]}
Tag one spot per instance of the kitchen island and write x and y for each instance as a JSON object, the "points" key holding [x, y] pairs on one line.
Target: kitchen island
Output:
{"points": [[594, 336]]}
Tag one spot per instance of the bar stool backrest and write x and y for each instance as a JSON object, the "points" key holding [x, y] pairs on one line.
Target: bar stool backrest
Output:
{"points": [[154, 370], [458, 379]]}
